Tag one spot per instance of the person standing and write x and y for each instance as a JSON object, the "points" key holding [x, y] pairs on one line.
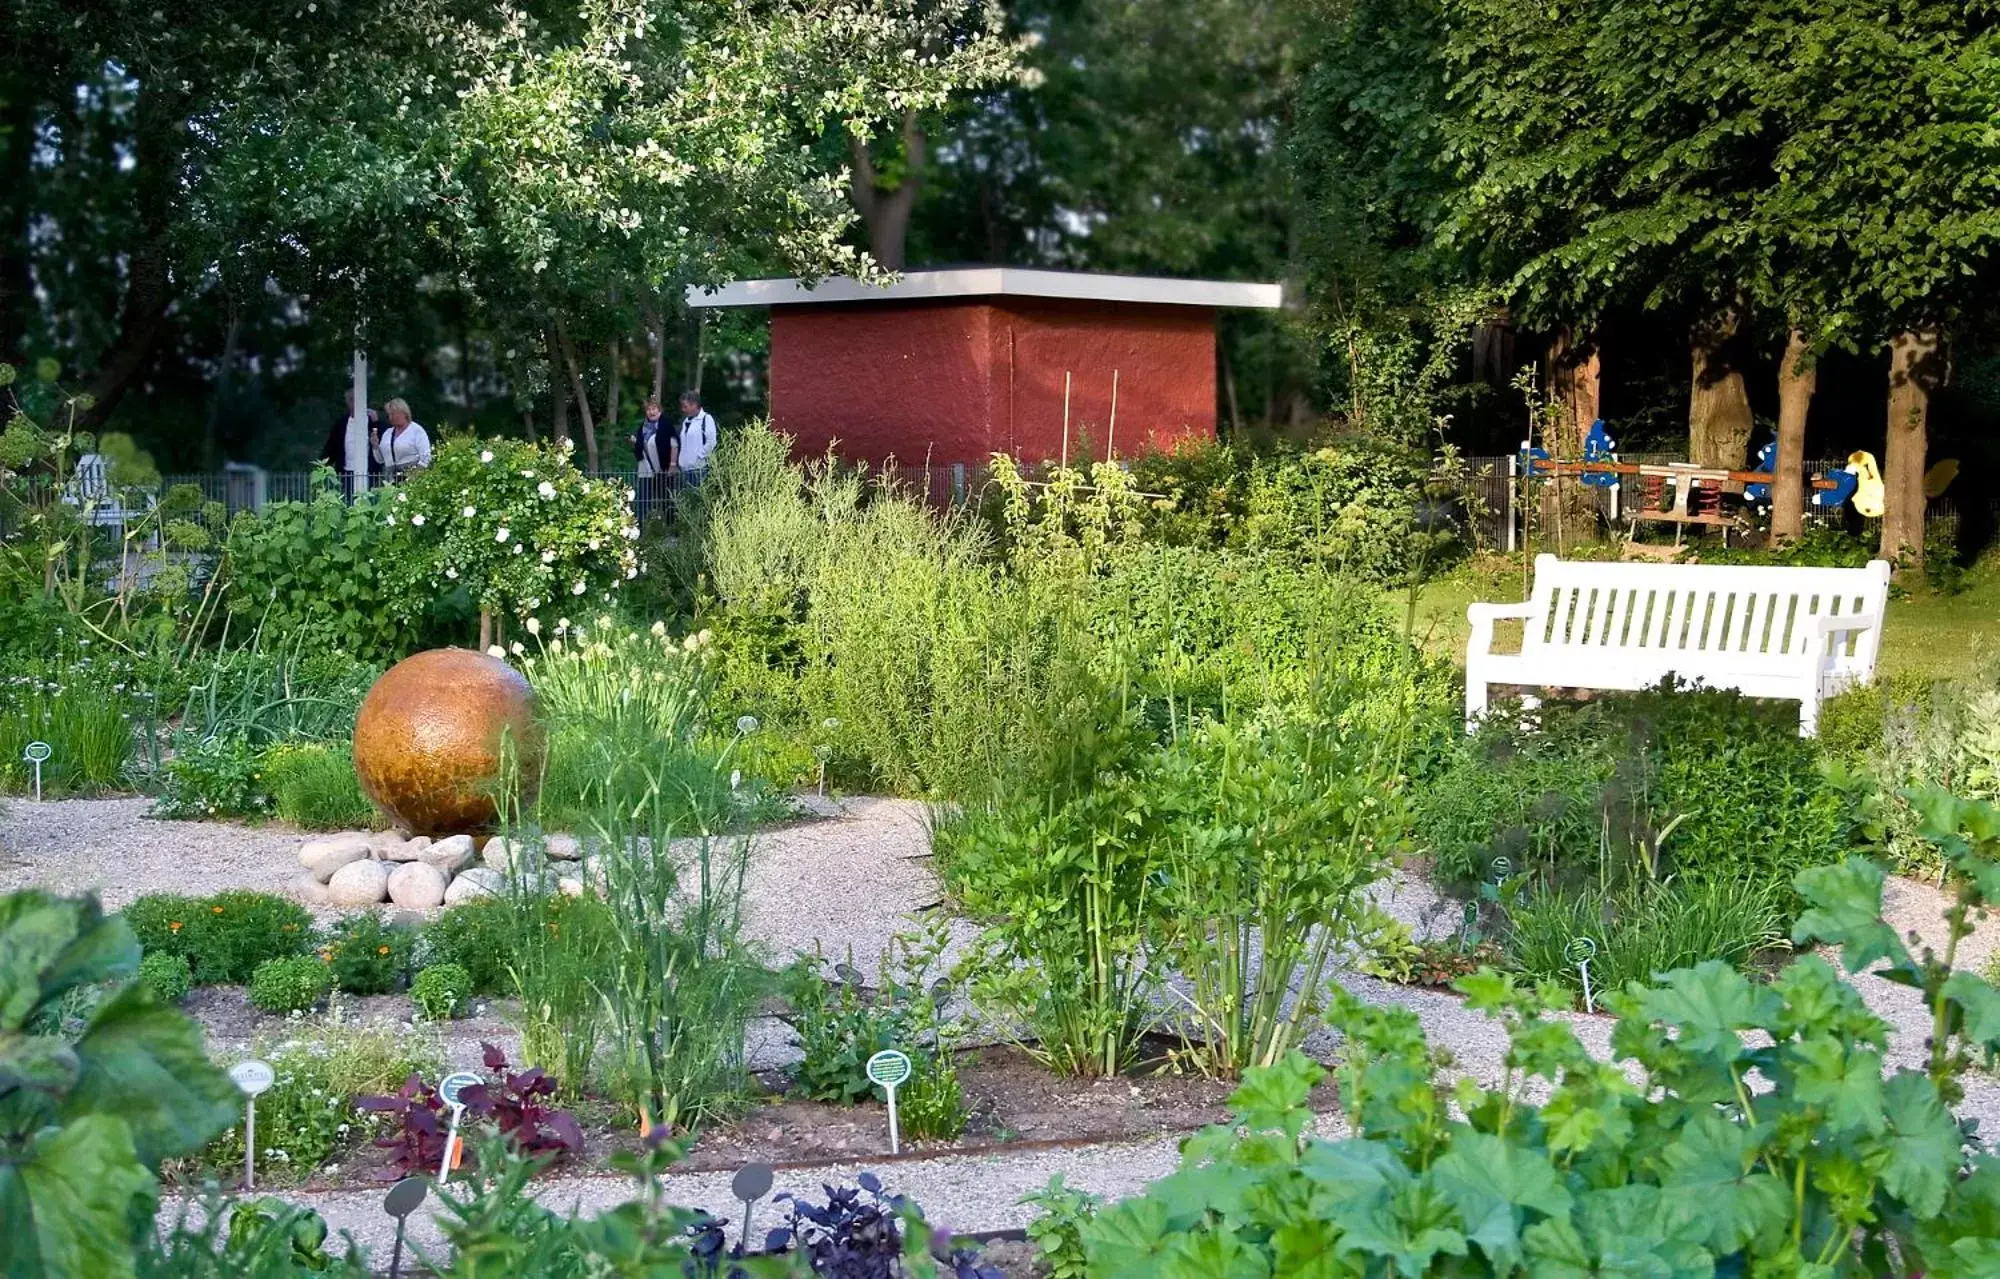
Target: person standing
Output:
{"points": [[407, 446], [697, 437], [657, 451], [334, 454]]}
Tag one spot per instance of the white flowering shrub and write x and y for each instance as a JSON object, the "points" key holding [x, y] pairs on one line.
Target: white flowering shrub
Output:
{"points": [[515, 524]]}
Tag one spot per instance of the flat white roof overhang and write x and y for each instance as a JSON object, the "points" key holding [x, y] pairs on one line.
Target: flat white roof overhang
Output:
{"points": [[996, 281]]}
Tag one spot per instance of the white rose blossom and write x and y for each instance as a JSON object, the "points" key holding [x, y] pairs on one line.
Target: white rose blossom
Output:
{"points": [[502, 534], [486, 455], [577, 589], [470, 511], [549, 556], [546, 489], [418, 519]]}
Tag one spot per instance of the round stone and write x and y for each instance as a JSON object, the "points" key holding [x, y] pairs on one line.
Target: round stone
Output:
{"points": [[360, 883], [432, 735], [417, 886], [326, 855], [449, 854], [472, 883]]}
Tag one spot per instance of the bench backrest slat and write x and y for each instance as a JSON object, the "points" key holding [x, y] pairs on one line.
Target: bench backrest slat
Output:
{"points": [[1690, 609]]}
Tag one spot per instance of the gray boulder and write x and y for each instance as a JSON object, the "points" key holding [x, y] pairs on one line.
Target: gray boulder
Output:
{"points": [[417, 886], [360, 883], [329, 853]]}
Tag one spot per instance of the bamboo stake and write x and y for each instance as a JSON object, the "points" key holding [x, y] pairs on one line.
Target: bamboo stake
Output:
{"points": [[1111, 431], [1065, 442]]}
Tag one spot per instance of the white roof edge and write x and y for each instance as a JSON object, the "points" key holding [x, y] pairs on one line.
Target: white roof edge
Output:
{"points": [[996, 281]]}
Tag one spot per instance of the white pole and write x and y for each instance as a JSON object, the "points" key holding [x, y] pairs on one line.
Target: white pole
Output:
{"points": [[357, 425], [450, 1140], [250, 1143], [895, 1138]]}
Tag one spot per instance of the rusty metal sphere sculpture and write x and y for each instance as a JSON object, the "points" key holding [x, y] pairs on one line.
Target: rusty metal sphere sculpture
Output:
{"points": [[434, 735]]}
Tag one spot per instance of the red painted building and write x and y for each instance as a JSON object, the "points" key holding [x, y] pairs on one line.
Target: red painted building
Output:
{"points": [[954, 365]]}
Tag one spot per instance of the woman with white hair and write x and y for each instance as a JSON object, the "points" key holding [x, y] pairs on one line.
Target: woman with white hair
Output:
{"points": [[405, 448]]}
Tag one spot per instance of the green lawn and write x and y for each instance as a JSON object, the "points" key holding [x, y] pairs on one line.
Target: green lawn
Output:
{"points": [[1927, 634]]}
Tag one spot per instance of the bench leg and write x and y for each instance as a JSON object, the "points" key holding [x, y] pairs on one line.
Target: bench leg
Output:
{"points": [[1809, 717], [1475, 701]]}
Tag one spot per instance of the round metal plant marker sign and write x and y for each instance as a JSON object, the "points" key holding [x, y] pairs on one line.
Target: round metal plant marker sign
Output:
{"points": [[253, 1077], [889, 1068]]}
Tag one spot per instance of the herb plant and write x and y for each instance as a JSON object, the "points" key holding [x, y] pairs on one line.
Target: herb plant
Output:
{"points": [[290, 984], [224, 937], [441, 991], [368, 956]]}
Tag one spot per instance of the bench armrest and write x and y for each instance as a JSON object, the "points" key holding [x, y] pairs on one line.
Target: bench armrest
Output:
{"points": [[1489, 613], [1833, 625], [1482, 617]]}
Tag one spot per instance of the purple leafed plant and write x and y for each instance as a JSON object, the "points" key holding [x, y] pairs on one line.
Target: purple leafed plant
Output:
{"points": [[515, 1102]]}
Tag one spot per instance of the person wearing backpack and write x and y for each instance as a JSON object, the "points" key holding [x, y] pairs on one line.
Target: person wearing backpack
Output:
{"points": [[697, 437]]}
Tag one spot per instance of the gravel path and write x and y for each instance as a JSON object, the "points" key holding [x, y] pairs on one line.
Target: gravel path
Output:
{"points": [[110, 845], [851, 880]]}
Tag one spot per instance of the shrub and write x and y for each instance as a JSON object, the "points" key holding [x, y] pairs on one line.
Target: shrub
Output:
{"points": [[314, 787], [169, 976], [213, 777], [367, 956], [476, 936], [224, 937], [1703, 785], [440, 991], [318, 570], [542, 537], [514, 1102], [308, 1117], [1061, 1213], [293, 984]]}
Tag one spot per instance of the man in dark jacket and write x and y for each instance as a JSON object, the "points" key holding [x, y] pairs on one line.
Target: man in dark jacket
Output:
{"points": [[334, 454]]}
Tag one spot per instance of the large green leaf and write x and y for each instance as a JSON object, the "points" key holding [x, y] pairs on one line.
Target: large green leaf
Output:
{"points": [[1127, 1240], [68, 1206], [1710, 1004], [1843, 1081], [1710, 1174], [1980, 1003], [51, 944], [1846, 911], [1923, 1142], [1494, 1184], [145, 1063]]}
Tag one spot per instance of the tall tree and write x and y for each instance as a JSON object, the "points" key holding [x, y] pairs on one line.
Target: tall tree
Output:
{"points": [[1883, 218]]}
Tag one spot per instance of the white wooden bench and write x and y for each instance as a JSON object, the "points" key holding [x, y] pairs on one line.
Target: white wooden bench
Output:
{"points": [[1797, 633]]}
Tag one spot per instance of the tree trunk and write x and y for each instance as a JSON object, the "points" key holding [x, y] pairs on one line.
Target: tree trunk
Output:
{"points": [[1719, 421], [658, 325], [612, 362], [218, 399], [582, 394], [886, 213], [558, 392], [1797, 380], [159, 125], [1913, 375], [1575, 383], [18, 115]]}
